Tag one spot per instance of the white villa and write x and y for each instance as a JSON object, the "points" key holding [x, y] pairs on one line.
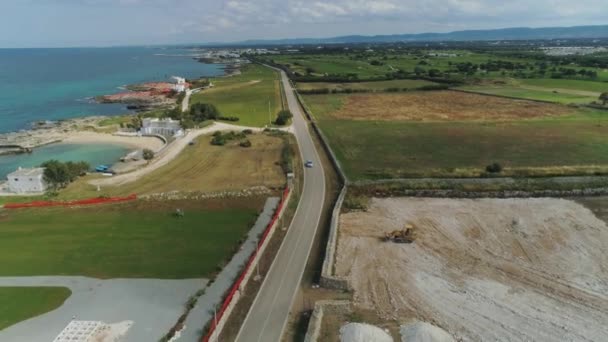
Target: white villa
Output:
{"points": [[25, 181], [165, 127], [181, 85]]}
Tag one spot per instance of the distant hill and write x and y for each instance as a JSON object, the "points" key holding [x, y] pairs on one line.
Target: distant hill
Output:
{"points": [[516, 33]]}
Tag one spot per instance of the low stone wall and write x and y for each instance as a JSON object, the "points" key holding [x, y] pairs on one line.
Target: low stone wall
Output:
{"points": [[316, 319], [591, 192], [328, 280]]}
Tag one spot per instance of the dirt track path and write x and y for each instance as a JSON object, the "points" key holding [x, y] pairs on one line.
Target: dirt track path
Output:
{"points": [[562, 90]]}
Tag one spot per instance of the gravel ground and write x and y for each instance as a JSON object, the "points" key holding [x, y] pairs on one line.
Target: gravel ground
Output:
{"points": [[483, 270], [153, 305]]}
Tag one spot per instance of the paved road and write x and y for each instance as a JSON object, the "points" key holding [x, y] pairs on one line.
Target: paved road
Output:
{"points": [[186, 101], [269, 313]]}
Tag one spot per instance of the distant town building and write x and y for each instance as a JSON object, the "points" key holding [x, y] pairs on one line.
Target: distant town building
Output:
{"points": [[165, 127], [25, 181]]}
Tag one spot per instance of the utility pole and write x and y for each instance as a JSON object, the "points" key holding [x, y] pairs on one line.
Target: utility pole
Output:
{"points": [[215, 319], [257, 255], [269, 116]]}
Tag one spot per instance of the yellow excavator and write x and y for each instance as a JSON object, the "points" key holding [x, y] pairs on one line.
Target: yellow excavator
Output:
{"points": [[406, 235]]}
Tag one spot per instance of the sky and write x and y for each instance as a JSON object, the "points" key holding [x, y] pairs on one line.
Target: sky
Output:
{"points": [[61, 23]]}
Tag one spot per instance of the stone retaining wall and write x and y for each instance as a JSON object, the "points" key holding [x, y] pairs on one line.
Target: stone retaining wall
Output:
{"points": [[328, 279], [316, 319]]}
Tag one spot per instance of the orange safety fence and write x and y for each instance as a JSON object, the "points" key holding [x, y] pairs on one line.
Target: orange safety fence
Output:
{"points": [[88, 201], [237, 284]]}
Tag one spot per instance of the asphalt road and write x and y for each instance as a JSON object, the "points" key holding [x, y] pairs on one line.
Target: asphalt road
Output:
{"points": [[269, 313]]}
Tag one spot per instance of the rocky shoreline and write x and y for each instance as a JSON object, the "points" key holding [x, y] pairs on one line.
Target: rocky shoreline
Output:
{"points": [[137, 97]]}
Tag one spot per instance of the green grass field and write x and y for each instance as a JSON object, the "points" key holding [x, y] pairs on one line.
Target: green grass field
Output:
{"points": [[141, 239], [385, 149], [200, 168], [246, 96], [331, 64], [21, 303], [532, 94], [589, 86], [374, 86], [563, 91], [360, 63]]}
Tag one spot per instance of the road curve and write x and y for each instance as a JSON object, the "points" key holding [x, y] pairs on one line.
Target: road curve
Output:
{"points": [[269, 313]]}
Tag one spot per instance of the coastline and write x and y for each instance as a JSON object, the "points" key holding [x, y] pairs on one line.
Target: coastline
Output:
{"points": [[96, 130], [134, 142], [86, 130]]}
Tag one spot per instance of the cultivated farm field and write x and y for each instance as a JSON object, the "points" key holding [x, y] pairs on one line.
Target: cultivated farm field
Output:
{"points": [[140, 239], [446, 134], [249, 95]]}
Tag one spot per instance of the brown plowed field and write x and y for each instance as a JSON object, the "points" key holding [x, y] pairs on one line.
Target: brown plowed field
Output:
{"points": [[443, 106], [484, 270]]}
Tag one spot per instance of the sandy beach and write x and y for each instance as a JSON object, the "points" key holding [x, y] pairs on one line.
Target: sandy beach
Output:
{"points": [[84, 137]]}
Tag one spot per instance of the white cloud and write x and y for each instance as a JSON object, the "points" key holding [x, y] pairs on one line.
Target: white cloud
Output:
{"points": [[216, 20]]}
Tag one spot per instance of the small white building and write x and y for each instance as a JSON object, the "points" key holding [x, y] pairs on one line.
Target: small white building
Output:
{"points": [[181, 85], [166, 127], [25, 181]]}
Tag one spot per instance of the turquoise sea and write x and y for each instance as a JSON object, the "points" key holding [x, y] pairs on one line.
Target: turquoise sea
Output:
{"points": [[93, 154], [53, 84]]}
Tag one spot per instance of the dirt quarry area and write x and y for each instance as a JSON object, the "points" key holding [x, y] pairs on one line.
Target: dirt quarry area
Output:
{"points": [[443, 106], [483, 269]]}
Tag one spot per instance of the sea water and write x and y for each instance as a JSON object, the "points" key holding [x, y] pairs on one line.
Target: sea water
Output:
{"points": [[53, 84], [93, 154]]}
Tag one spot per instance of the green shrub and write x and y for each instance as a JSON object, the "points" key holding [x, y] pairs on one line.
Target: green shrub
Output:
{"points": [[148, 154], [218, 140], [356, 203], [494, 168], [283, 117], [59, 174], [228, 118], [200, 112]]}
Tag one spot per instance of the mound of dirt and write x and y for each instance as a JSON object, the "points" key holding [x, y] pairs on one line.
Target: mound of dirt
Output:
{"points": [[359, 332], [424, 332]]}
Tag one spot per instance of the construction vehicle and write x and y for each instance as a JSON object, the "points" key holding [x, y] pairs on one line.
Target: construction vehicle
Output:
{"points": [[406, 235]]}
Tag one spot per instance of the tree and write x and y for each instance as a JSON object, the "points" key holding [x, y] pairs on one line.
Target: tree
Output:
{"points": [[136, 122], [200, 112], [283, 117], [148, 154], [604, 98], [494, 168], [58, 175]]}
